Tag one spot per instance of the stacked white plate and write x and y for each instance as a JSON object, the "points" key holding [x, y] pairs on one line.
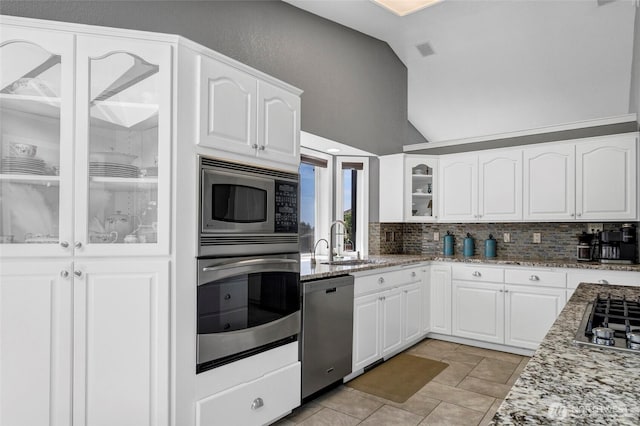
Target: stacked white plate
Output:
{"points": [[23, 166], [103, 169]]}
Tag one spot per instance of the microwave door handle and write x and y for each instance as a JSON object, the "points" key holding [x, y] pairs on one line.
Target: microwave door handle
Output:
{"points": [[249, 262]]}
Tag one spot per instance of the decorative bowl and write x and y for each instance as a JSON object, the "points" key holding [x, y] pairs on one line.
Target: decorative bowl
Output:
{"points": [[26, 150]]}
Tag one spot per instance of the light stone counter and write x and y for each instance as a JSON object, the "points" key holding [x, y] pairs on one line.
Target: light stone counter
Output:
{"points": [[568, 384], [384, 261]]}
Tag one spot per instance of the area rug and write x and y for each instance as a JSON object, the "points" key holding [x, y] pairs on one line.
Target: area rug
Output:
{"points": [[398, 378]]}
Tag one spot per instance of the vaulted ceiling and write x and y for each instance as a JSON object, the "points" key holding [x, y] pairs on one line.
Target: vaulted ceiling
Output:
{"points": [[503, 65]]}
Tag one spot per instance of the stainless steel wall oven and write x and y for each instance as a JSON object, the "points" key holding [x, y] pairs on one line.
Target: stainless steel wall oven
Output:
{"points": [[248, 294]]}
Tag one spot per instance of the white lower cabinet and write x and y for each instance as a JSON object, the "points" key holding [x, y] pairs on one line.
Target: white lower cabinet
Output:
{"points": [[121, 343], [529, 313], [574, 278], [92, 335], [257, 402], [440, 303], [35, 343], [389, 318], [478, 311], [366, 334]]}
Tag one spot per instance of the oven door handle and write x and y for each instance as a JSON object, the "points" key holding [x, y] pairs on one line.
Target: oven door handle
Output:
{"points": [[249, 262]]}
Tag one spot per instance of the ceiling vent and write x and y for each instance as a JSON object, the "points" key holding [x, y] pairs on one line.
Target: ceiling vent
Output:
{"points": [[425, 49]]}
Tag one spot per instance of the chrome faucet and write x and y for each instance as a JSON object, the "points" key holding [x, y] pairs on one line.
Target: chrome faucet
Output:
{"points": [[313, 254], [331, 237]]}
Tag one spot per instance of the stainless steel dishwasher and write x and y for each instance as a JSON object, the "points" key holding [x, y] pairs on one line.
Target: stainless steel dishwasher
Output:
{"points": [[327, 332]]}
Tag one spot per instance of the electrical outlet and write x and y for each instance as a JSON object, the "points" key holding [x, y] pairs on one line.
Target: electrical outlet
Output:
{"points": [[594, 228], [436, 236], [506, 237], [536, 238]]}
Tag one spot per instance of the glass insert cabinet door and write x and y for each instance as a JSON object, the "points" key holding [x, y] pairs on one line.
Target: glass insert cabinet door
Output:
{"points": [[122, 144], [36, 140], [421, 188]]}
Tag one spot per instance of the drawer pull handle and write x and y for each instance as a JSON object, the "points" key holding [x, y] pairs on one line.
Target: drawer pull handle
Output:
{"points": [[476, 274], [380, 280], [257, 403], [534, 278], [603, 282], [413, 274]]}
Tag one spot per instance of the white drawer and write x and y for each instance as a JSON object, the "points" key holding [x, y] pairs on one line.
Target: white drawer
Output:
{"points": [[386, 280], [477, 273], [535, 277], [254, 403]]}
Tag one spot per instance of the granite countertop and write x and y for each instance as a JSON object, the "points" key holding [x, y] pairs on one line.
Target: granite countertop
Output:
{"points": [[568, 384], [383, 261]]}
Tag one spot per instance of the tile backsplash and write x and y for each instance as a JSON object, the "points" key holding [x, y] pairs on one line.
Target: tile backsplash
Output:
{"points": [[558, 240]]}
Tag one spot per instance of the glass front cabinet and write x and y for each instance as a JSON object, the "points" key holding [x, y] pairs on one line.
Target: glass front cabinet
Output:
{"points": [[420, 188], [85, 143]]}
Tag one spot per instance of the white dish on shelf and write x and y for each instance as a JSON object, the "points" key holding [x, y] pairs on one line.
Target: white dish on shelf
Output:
{"points": [[111, 158], [32, 87], [41, 239]]}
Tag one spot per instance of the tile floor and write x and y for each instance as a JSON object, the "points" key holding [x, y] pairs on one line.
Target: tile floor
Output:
{"points": [[468, 392]]}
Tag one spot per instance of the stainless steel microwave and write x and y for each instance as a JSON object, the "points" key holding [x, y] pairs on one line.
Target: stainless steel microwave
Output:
{"points": [[245, 209]]}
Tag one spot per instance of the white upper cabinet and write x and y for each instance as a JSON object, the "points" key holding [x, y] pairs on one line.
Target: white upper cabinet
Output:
{"points": [[246, 117], [593, 179], [500, 185], [458, 189], [606, 178], [123, 145], [36, 141], [227, 107], [278, 124], [549, 182]]}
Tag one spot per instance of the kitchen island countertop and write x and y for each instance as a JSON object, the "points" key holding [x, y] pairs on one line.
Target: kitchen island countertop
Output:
{"points": [[568, 384], [307, 272]]}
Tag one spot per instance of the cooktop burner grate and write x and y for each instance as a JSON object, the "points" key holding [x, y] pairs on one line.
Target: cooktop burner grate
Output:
{"points": [[620, 316]]}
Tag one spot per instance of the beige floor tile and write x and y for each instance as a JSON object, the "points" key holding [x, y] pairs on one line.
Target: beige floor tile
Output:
{"points": [[417, 403], [454, 373], [485, 387], [349, 402], [492, 411], [441, 345], [488, 353], [304, 411], [462, 397], [519, 369], [449, 415], [494, 370], [392, 416], [426, 351], [461, 356], [329, 417], [284, 422]]}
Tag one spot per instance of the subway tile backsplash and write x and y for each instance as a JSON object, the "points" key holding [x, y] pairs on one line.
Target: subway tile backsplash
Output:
{"points": [[558, 240]]}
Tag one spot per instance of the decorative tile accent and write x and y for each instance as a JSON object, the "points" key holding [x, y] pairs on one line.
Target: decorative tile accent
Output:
{"points": [[558, 239]]}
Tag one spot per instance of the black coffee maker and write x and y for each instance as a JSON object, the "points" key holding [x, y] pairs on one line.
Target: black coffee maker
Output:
{"points": [[586, 247], [618, 246]]}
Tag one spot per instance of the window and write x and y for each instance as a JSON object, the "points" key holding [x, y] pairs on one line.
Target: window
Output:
{"points": [[315, 200], [352, 201]]}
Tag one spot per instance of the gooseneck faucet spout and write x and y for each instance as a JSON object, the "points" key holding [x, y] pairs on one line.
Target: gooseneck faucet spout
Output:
{"points": [[313, 255], [332, 245]]}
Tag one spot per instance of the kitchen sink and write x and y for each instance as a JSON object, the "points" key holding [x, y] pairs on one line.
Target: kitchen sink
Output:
{"points": [[350, 262]]}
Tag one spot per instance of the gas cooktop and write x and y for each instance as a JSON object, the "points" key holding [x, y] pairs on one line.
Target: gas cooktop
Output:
{"points": [[612, 323]]}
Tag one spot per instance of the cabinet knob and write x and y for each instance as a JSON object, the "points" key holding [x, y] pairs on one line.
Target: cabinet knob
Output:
{"points": [[506, 291], [64, 273], [254, 146], [534, 278], [571, 215], [64, 244], [476, 274], [413, 274], [261, 148], [579, 214], [501, 291], [257, 403], [77, 273], [603, 282], [381, 280], [227, 296], [78, 244]]}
